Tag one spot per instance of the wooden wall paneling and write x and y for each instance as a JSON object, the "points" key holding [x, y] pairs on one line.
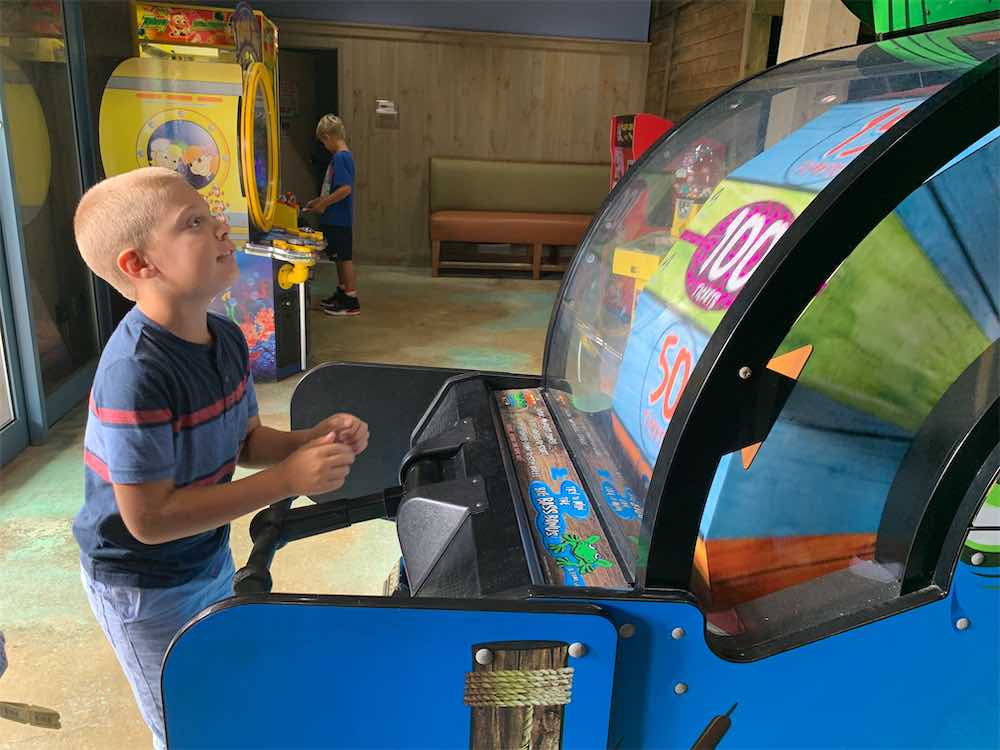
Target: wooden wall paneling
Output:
{"points": [[552, 121], [505, 85], [531, 125], [474, 101], [707, 52], [390, 138], [701, 21], [757, 35], [724, 46], [474, 95], [670, 39], [814, 25], [416, 137], [756, 43], [611, 92], [367, 234], [589, 103]]}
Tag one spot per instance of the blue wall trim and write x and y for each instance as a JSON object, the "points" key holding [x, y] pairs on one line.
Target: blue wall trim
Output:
{"points": [[616, 20]]}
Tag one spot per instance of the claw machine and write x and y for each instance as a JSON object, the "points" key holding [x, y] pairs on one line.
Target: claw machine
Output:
{"points": [[200, 98]]}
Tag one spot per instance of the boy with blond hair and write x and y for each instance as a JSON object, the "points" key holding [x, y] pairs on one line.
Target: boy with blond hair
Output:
{"points": [[335, 205], [172, 412]]}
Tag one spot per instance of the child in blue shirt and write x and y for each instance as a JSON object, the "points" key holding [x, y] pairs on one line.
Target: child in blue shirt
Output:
{"points": [[173, 411], [335, 205]]}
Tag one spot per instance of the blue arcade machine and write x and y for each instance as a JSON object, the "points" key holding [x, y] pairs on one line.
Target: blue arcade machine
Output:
{"points": [[755, 504]]}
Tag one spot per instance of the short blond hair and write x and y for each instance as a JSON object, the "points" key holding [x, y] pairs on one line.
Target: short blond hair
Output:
{"points": [[117, 214], [331, 125]]}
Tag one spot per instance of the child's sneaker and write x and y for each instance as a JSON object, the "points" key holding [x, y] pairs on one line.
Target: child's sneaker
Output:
{"points": [[342, 303], [328, 301]]}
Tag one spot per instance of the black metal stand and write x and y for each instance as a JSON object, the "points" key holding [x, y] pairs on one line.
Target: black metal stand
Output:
{"points": [[278, 524]]}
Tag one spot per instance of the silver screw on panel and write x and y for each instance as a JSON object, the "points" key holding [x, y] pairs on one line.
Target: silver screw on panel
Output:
{"points": [[484, 656], [677, 633], [962, 623], [977, 558], [745, 373], [577, 650], [627, 630], [680, 688]]}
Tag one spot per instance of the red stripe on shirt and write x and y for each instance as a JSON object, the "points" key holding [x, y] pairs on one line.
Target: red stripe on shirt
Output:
{"points": [[212, 410], [127, 416], [96, 465], [214, 478]]}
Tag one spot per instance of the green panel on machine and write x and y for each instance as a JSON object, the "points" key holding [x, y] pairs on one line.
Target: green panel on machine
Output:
{"points": [[891, 16]]}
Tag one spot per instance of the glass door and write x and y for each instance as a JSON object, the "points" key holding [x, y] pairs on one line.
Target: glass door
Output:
{"points": [[13, 425], [47, 272]]}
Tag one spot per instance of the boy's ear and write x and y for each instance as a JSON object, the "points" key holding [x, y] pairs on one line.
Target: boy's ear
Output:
{"points": [[132, 264]]}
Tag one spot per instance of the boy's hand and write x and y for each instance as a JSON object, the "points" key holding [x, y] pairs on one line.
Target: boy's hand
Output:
{"points": [[348, 429], [313, 205], [319, 466]]}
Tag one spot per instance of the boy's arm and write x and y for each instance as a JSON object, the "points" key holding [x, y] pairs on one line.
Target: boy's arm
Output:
{"points": [[322, 203], [159, 512], [335, 197], [265, 446]]}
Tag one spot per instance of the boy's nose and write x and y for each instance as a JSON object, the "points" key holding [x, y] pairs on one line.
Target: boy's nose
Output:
{"points": [[221, 227]]}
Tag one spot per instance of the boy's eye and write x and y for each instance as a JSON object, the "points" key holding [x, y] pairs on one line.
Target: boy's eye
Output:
{"points": [[197, 221]]}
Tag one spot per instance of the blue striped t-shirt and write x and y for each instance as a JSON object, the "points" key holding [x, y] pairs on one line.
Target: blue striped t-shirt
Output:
{"points": [[160, 408]]}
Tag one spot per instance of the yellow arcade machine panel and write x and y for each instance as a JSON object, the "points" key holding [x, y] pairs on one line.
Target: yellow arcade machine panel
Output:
{"points": [[182, 116], [29, 139]]}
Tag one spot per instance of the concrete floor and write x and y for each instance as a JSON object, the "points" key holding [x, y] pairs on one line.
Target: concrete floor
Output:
{"points": [[58, 656]]}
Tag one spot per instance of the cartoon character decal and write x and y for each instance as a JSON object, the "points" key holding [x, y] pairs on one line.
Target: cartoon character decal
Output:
{"points": [[164, 153], [185, 147], [202, 162], [179, 26], [579, 553]]}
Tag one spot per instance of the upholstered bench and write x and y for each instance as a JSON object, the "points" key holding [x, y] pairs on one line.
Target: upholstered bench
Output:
{"points": [[518, 203]]}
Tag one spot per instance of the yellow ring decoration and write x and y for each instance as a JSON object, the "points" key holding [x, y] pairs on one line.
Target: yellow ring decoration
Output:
{"points": [[258, 77]]}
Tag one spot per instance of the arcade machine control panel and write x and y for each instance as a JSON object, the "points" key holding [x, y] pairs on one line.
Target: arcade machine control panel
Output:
{"points": [[490, 501], [517, 511]]}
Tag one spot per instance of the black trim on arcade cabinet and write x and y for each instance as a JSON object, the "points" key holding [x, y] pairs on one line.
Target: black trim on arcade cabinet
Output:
{"points": [[239, 161], [945, 457], [954, 548], [520, 503], [495, 381], [826, 232]]}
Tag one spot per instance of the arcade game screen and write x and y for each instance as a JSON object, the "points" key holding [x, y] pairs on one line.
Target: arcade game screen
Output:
{"points": [[882, 340]]}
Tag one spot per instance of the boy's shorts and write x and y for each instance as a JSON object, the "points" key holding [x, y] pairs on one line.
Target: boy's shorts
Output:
{"points": [[339, 242], [141, 622]]}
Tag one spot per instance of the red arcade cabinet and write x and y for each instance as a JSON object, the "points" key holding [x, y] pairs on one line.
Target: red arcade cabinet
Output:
{"points": [[631, 135]]}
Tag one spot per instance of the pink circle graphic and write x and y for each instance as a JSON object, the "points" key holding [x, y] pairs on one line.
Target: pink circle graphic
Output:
{"points": [[726, 257]]}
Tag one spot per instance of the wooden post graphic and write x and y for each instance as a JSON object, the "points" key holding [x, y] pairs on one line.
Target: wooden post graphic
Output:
{"points": [[570, 540], [25, 713], [517, 695]]}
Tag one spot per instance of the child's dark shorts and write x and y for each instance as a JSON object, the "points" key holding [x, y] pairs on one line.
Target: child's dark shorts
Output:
{"points": [[339, 242]]}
